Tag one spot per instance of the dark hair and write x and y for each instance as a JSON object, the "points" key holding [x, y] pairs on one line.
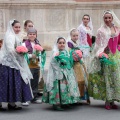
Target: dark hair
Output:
{"points": [[60, 39], [1, 40], [15, 21], [86, 15], [26, 22]]}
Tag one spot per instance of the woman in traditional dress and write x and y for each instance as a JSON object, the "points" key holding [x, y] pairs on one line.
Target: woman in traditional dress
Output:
{"points": [[61, 87], [104, 82], [15, 74], [78, 65], [85, 37]]}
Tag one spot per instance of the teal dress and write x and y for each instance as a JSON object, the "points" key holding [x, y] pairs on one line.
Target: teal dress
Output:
{"points": [[65, 88]]}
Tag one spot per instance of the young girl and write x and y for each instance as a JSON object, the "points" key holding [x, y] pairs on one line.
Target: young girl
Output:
{"points": [[34, 61], [15, 73], [61, 86], [85, 38], [27, 25], [78, 65]]}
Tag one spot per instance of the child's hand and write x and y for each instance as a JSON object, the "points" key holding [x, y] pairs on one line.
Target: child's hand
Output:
{"points": [[34, 56]]}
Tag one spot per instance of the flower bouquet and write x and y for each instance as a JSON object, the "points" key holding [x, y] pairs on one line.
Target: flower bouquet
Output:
{"points": [[77, 55], [104, 59], [23, 50], [38, 49]]}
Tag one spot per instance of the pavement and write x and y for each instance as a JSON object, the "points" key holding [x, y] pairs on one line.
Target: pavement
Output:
{"points": [[43, 111]]}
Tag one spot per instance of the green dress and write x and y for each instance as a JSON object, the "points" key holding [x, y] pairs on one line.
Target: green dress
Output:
{"points": [[65, 88], [105, 84]]}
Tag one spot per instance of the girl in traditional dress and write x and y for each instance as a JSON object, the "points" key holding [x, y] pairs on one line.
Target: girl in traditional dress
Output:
{"points": [[61, 87], [27, 25], [78, 65], [15, 74], [104, 83], [85, 37], [34, 58]]}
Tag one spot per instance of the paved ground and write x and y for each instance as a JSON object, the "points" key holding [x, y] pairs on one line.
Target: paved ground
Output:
{"points": [[95, 111]]}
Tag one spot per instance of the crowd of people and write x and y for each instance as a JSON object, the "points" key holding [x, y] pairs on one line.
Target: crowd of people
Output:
{"points": [[81, 66]]}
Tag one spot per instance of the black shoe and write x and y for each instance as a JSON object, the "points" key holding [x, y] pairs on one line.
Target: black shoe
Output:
{"points": [[58, 108], [66, 106], [40, 94], [10, 107], [33, 100], [2, 109], [88, 101]]}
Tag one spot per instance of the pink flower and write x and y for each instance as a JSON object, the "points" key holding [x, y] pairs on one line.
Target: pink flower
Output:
{"points": [[75, 57], [21, 49], [38, 48], [103, 54], [57, 54], [79, 53]]}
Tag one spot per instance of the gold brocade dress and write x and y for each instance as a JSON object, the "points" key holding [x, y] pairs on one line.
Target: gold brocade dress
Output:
{"points": [[81, 76]]}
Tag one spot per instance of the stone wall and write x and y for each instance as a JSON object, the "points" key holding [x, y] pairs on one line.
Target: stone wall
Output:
{"points": [[53, 18]]}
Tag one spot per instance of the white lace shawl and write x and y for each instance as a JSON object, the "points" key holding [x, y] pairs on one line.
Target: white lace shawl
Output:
{"points": [[9, 56], [84, 46], [57, 73], [103, 36], [102, 39]]}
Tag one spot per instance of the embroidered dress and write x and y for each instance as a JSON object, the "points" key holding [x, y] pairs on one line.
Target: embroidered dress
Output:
{"points": [[63, 88], [104, 84], [85, 41], [80, 72], [14, 72]]}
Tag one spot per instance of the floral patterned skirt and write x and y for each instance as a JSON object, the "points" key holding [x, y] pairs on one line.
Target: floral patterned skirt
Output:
{"points": [[105, 84], [60, 94]]}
